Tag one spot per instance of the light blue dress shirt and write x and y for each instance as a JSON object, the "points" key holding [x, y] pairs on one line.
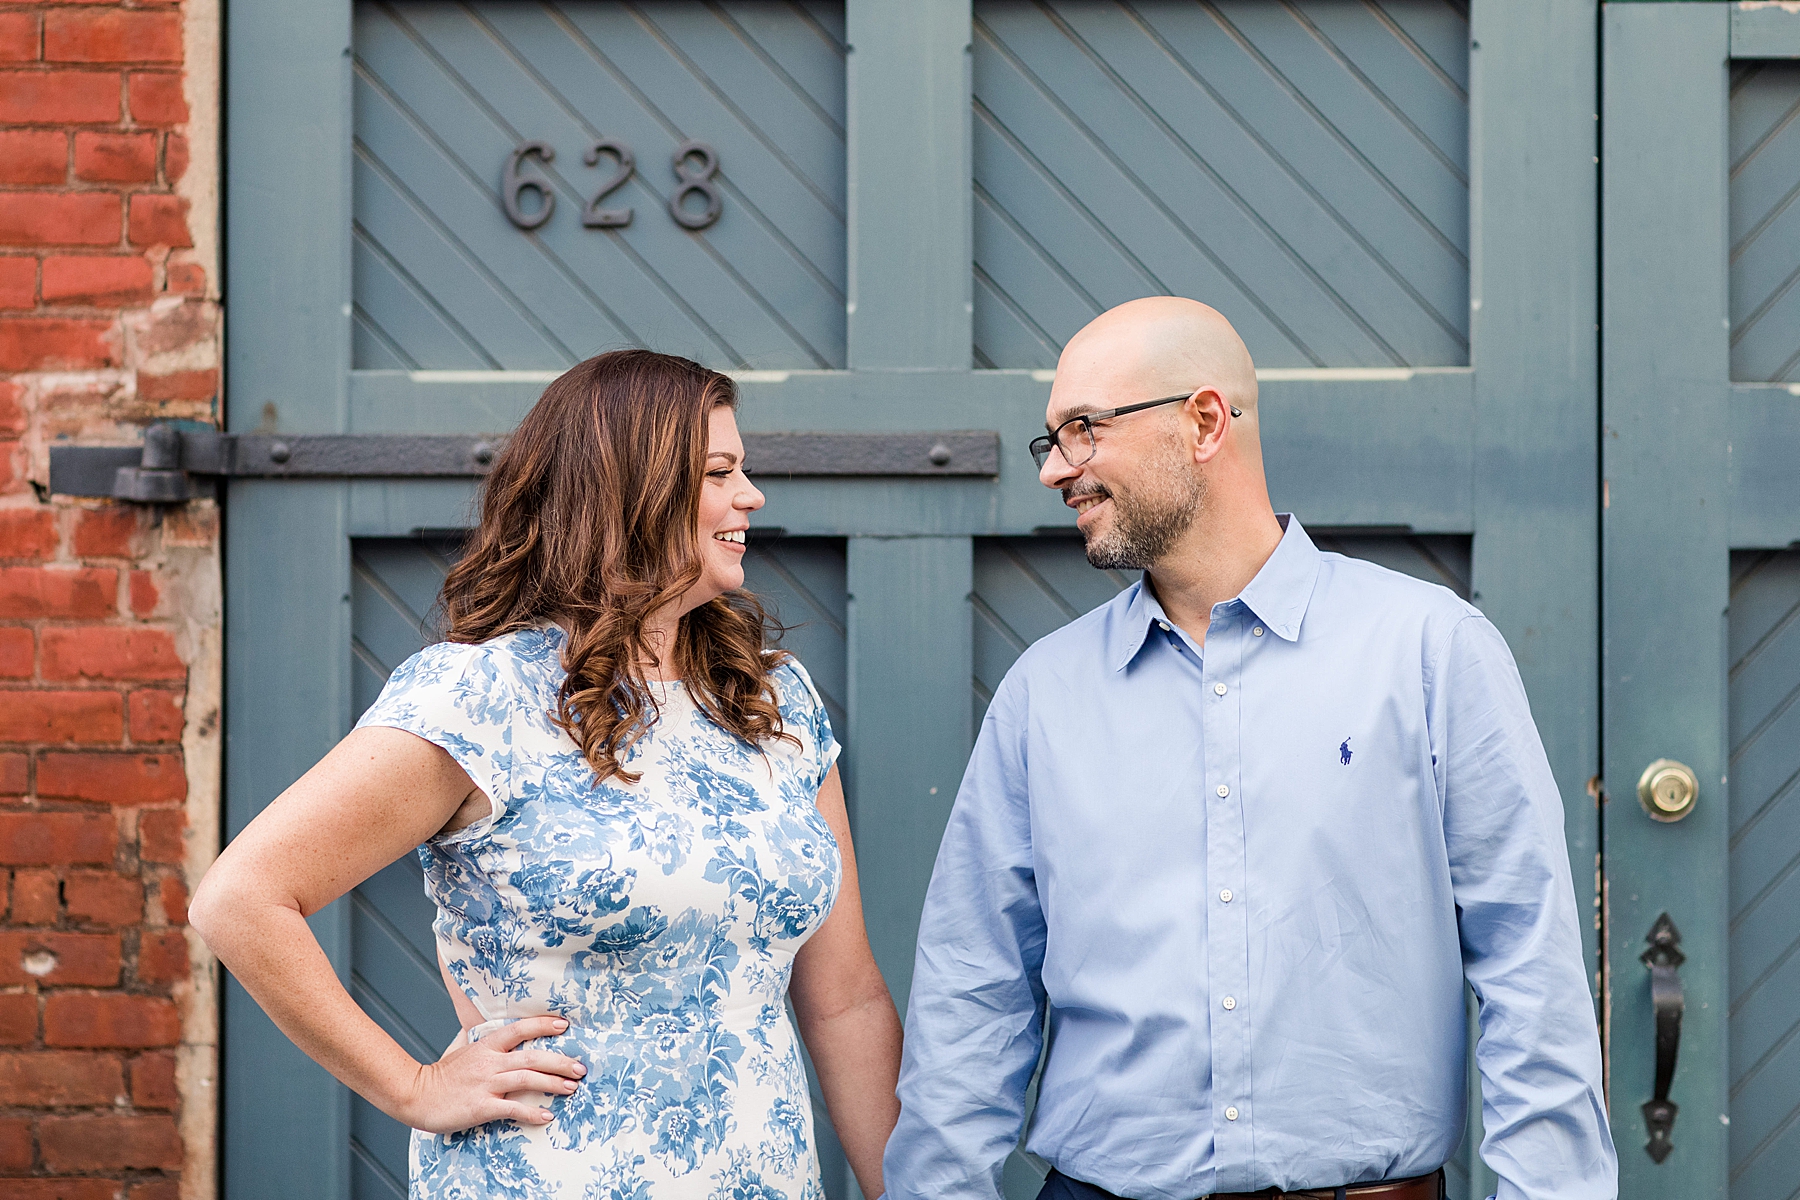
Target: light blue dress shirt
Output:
{"points": [[1246, 881]]}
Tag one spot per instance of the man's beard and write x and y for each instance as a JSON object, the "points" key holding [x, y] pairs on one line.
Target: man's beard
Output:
{"points": [[1147, 520]]}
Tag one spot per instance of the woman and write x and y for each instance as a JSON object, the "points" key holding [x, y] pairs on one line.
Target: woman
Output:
{"points": [[632, 827]]}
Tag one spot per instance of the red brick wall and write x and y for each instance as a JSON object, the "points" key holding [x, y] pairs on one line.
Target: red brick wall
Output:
{"points": [[108, 613]]}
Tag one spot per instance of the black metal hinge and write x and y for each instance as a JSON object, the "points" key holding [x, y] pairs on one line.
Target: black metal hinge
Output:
{"points": [[176, 464]]}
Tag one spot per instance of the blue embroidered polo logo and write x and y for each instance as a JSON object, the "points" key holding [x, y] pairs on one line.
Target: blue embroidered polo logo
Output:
{"points": [[1344, 752]]}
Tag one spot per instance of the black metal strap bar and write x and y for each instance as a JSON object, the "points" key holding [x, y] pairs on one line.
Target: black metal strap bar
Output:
{"points": [[174, 464]]}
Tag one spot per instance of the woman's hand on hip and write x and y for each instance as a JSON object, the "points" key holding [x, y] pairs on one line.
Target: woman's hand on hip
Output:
{"points": [[469, 1086]]}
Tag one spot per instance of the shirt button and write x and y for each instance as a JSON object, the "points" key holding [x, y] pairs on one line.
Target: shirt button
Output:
{"points": [[1230, 1002], [1219, 689], [1257, 631], [1231, 1113], [1163, 625], [1225, 895], [1224, 791]]}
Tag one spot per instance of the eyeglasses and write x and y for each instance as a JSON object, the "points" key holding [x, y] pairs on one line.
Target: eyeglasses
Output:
{"points": [[1075, 436]]}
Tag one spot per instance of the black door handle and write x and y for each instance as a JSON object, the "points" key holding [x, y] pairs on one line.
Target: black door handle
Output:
{"points": [[1663, 957]]}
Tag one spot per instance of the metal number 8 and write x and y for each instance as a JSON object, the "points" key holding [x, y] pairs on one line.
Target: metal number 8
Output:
{"points": [[513, 185], [695, 181]]}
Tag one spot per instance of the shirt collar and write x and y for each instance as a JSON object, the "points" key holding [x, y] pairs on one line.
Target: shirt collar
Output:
{"points": [[1278, 595], [1128, 632], [1283, 588]]}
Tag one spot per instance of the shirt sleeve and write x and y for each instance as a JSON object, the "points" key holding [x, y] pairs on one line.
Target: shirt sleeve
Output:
{"points": [[803, 715], [458, 698], [1539, 1048], [973, 1021]]}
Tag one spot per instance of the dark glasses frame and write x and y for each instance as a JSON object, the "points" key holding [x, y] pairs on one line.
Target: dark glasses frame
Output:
{"points": [[1042, 445]]}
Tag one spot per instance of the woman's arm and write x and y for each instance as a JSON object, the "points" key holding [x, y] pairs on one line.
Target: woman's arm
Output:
{"points": [[847, 1016], [379, 793]]}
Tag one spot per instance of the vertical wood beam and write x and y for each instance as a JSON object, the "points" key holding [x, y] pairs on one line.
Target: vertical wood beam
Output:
{"points": [[1534, 298], [910, 710], [287, 214], [285, 1121], [910, 274], [1665, 364]]}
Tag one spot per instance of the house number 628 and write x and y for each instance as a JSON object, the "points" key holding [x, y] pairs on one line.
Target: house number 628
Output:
{"points": [[695, 163]]}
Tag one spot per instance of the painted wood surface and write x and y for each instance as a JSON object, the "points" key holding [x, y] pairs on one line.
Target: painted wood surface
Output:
{"points": [[1765, 221], [1304, 167], [1665, 563], [284, 1127], [908, 79], [443, 95], [1502, 452], [1764, 745], [801, 584], [1025, 588], [1764, 486], [394, 974], [1763, 30], [393, 954], [1386, 447], [1022, 589]]}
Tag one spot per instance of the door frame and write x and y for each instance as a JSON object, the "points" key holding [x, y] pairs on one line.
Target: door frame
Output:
{"points": [[1505, 450], [1694, 466]]}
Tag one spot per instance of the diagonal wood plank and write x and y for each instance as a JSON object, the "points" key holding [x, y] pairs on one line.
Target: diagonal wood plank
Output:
{"points": [[1763, 638], [444, 92], [1765, 222], [1028, 587], [1301, 165]]}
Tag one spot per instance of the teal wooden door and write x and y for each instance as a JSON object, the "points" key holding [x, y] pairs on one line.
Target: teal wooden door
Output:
{"points": [[917, 204], [1701, 465]]}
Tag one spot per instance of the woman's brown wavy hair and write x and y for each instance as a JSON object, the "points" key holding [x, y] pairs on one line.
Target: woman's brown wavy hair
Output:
{"points": [[589, 519]]}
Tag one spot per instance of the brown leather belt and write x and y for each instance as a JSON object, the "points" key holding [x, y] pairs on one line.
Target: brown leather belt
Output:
{"points": [[1419, 1187]]}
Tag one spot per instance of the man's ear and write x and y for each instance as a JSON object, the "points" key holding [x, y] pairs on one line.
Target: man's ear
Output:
{"points": [[1210, 413]]}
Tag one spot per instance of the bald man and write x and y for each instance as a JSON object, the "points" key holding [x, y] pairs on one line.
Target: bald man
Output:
{"points": [[1229, 845]]}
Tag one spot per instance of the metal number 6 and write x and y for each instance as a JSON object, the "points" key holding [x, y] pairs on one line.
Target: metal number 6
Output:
{"points": [[513, 185], [695, 181]]}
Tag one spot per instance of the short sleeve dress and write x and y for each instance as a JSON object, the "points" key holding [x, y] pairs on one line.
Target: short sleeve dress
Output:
{"points": [[660, 918]]}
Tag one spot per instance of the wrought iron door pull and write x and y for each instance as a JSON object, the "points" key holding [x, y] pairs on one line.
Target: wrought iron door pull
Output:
{"points": [[1663, 957]]}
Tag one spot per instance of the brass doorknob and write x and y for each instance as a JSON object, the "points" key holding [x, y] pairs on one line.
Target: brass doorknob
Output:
{"points": [[1668, 789]]}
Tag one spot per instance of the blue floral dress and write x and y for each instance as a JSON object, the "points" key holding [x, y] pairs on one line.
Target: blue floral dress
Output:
{"points": [[659, 918]]}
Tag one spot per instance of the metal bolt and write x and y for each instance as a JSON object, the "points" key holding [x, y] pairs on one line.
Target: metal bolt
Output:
{"points": [[279, 452], [939, 455], [484, 453], [162, 448]]}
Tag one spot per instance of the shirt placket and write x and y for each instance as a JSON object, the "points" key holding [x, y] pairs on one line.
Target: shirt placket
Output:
{"points": [[1227, 925]]}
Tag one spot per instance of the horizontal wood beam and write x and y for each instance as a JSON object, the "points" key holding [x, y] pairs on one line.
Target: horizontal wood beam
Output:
{"points": [[1761, 471], [1402, 459], [1765, 29]]}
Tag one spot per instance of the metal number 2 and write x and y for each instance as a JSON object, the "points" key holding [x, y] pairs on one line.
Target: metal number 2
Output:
{"points": [[695, 181], [513, 185], [595, 217]]}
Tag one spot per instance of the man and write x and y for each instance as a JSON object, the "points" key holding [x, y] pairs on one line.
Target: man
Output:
{"points": [[1234, 839]]}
